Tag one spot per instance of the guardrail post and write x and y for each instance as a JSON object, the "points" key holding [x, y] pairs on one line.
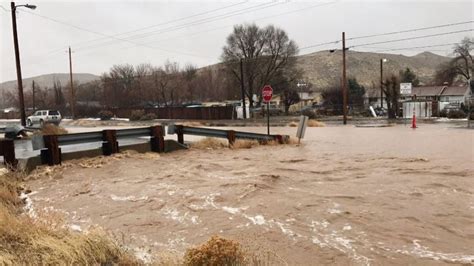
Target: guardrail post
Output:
{"points": [[231, 136], [7, 150], [157, 141], [51, 154], [109, 142], [180, 133]]}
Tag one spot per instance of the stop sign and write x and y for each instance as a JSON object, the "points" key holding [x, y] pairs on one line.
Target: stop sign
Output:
{"points": [[267, 93]]}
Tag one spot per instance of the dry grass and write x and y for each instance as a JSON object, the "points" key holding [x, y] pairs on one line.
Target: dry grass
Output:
{"points": [[51, 129], [209, 144], [244, 144], [193, 124], [311, 123], [215, 252], [44, 239], [293, 124], [315, 123]]}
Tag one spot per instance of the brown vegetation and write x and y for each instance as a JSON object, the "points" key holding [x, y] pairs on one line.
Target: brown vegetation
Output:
{"points": [[44, 239], [216, 251], [209, 144], [244, 144], [51, 129], [315, 123]]}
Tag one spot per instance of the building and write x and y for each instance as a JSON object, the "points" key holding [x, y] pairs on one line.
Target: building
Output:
{"points": [[452, 96]]}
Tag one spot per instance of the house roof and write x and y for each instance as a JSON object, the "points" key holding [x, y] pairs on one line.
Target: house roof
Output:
{"points": [[455, 91], [427, 91]]}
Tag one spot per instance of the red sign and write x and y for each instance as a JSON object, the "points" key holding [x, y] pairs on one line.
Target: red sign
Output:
{"points": [[267, 93]]}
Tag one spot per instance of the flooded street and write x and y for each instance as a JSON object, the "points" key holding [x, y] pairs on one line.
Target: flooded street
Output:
{"points": [[346, 195]]}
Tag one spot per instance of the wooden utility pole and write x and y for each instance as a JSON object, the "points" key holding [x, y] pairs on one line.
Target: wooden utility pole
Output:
{"points": [[73, 96], [381, 83], [33, 90], [18, 67], [344, 81], [242, 89]]}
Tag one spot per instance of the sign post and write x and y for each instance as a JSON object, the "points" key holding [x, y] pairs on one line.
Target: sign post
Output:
{"points": [[267, 94], [405, 90]]}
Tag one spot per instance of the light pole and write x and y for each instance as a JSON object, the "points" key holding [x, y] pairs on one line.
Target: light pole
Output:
{"points": [[17, 58], [344, 79], [382, 60]]}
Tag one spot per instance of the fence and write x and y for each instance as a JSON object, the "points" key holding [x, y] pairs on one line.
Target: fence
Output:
{"points": [[197, 113], [421, 109]]}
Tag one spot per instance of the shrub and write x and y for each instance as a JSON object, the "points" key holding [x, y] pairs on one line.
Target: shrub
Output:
{"points": [[149, 116], [443, 113], [456, 114], [51, 129], [309, 113], [216, 251], [315, 123], [105, 115], [136, 115]]}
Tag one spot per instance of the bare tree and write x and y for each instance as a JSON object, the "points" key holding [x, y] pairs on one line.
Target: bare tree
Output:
{"points": [[392, 92], [460, 66], [267, 54]]}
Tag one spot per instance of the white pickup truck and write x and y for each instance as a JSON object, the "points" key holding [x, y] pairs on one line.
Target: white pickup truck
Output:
{"points": [[42, 117]]}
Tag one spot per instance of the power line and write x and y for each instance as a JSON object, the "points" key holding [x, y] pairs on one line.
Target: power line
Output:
{"points": [[411, 30], [262, 18], [170, 21], [110, 36], [193, 23], [389, 33], [123, 33], [412, 38], [409, 48]]}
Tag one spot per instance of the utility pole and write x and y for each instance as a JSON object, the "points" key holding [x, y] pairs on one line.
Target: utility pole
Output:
{"points": [[381, 83], [18, 67], [73, 96], [242, 89], [33, 89], [344, 81]]}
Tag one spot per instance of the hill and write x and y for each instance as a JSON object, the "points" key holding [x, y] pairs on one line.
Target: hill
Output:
{"points": [[324, 68], [48, 80]]}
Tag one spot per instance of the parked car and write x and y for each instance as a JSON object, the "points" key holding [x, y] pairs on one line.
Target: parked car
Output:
{"points": [[42, 117]]}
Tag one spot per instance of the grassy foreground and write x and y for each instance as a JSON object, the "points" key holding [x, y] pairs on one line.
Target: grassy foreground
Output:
{"points": [[44, 240]]}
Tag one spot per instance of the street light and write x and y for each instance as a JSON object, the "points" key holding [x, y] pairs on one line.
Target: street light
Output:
{"points": [[382, 60], [17, 59]]}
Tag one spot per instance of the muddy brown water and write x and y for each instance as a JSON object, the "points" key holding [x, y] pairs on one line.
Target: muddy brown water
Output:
{"points": [[347, 195]]}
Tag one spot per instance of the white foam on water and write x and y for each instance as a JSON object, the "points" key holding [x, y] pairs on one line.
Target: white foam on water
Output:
{"points": [[75, 227], [256, 220], [231, 210], [28, 208], [127, 198], [424, 252], [335, 240], [143, 255]]}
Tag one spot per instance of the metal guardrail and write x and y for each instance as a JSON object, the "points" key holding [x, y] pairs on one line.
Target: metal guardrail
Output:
{"points": [[231, 135], [96, 136], [79, 138], [51, 151]]}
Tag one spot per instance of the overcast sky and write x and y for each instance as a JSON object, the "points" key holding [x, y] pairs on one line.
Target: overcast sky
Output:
{"points": [[104, 33]]}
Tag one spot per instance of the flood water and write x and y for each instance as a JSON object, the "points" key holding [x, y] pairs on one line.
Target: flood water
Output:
{"points": [[346, 195]]}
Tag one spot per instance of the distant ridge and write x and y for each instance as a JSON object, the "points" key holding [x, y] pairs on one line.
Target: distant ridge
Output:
{"points": [[48, 80], [324, 68]]}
